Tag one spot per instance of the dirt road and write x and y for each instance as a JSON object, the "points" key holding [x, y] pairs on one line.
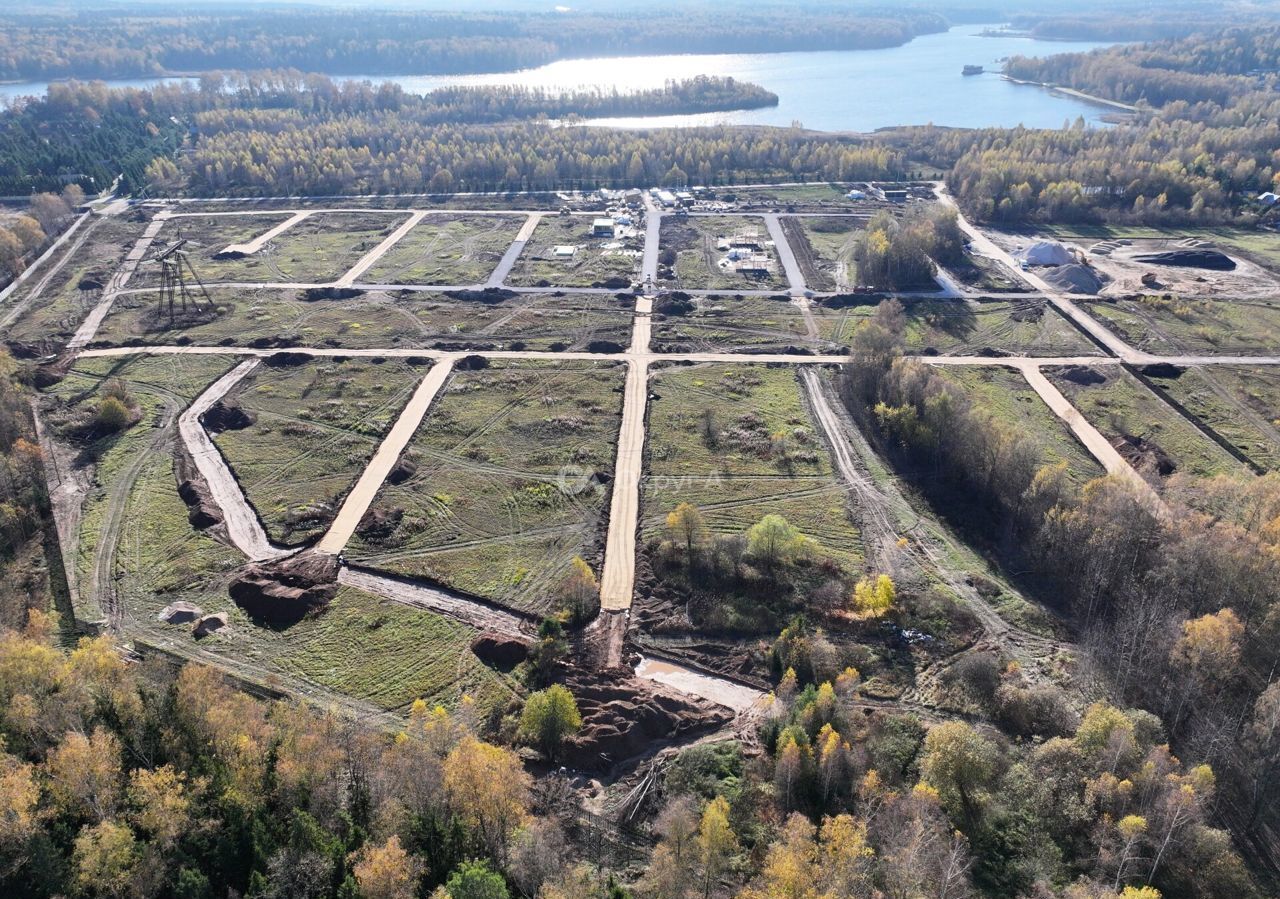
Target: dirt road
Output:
{"points": [[362, 494], [243, 527], [12, 314], [509, 258], [253, 246], [367, 261], [119, 281]]}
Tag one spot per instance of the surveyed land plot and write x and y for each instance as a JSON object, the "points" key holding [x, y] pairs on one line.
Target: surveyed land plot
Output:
{"points": [[565, 251], [1151, 436], [1173, 325], [1006, 397], [298, 431], [719, 253], [744, 324], [113, 464], [447, 249], [267, 317], [737, 441], [319, 249], [206, 237], [504, 483], [1239, 403], [952, 327], [824, 247]]}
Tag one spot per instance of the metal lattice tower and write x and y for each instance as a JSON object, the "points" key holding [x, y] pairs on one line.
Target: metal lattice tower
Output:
{"points": [[174, 270]]}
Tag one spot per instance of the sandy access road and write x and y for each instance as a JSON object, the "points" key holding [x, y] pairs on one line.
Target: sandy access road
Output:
{"points": [[243, 527], [362, 494]]}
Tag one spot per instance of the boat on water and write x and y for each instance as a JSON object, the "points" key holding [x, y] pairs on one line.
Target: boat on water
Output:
{"points": [[972, 70]]}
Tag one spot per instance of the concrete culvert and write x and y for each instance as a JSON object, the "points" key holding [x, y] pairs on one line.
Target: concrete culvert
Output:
{"points": [[180, 612]]}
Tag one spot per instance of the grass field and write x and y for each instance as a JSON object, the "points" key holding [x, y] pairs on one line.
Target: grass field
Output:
{"points": [[53, 315], [1192, 326], [1005, 394], [972, 327], [314, 428], [695, 240], [767, 456], [824, 248], [271, 317], [318, 249], [592, 265], [447, 249], [1241, 404], [161, 386], [738, 324], [508, 486], [1123, 408]]}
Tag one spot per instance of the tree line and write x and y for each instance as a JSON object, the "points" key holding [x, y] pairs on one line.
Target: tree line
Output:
{"points": [[1179, 613], [138, 43]]}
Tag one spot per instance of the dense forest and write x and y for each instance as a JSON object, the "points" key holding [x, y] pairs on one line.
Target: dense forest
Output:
{"points": [[1178, 611], [109, 44]]}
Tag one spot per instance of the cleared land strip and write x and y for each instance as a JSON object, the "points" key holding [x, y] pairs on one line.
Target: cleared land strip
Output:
{"points": [[377, 252], [421, 596], [89, 327], [362, 494], [243, 527], [253, 246], [795, 278], [53, 248], [17, 309], [513, 252]]}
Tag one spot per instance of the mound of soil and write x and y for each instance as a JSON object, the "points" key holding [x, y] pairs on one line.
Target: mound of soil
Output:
{"points": [[1166, 370], [286, 360], [91, 281], [471, 363], [202, 512], [180, 613], [285, 591], [484, 295], [378, 525], [311, 294], [224, 416], [674, 304], [624, 717], [604, 346], [1047, 252], [500, 651], [1085, 375], [1199, 258], [229, 254], [1145, 455], [405, 469], [1074, 278]]}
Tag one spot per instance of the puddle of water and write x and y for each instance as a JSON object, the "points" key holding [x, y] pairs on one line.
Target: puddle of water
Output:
{"points": [[695, 683]]}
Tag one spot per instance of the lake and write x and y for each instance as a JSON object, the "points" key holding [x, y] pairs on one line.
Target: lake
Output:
{"points": [[844, 90]]}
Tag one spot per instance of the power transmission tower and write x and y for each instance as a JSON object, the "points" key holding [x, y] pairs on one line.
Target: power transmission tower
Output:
{"points": [[174, 268]]}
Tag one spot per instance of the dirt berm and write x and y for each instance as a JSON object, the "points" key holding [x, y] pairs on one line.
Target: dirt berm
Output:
{"points": [[1210, 259], [284, 591], [624, 717]]}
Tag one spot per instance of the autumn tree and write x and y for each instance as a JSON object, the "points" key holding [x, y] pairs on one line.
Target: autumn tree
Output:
{"points": [[385, 871], [580, 590], [774, 541], [488, 789], [686, 526], [549, 717], [960, 764], [717, 843], [873, 597]]}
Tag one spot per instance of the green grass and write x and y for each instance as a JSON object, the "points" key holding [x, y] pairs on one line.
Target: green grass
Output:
{"points": [[501, 502], [960, 328], [447, 249], [1005, 394], [318, 249], [737, 324], [315, 428], [1192, 326], [1262, 247], [375, 320], [824, 248], [590, 266], [695, 241], [768, 457], [1241, 404], [155, 383], [1122, 406], [205, 236]]}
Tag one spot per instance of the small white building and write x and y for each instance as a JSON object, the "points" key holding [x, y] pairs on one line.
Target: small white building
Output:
{"points": [[666, 198], [564, 251], [602, 228]]}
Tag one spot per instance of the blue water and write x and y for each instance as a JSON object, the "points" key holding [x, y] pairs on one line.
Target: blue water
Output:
{"points": [[848, 90]]}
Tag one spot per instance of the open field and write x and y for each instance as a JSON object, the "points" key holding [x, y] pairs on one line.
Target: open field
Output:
{"points": [[824, 248], [695, 241], [447, 249], [1241, 404], [309, 430], [271, 317], [971, 327], [54, 312], [738, 324], [1185, 325], [1005, 395], [764, 455], [319, 249], [107, 464], [612, 262], [504, 483], [1255, 244], [1154, 438]]}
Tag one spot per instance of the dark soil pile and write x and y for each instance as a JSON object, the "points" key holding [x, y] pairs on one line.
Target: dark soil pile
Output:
{"points": [[285, 591], [1211, 259]]}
